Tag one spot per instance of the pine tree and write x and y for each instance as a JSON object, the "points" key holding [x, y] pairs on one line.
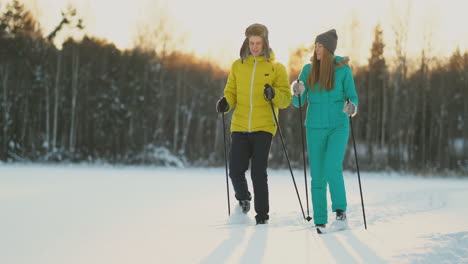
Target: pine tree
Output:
{"points": [[377, 97], [17, 20]]}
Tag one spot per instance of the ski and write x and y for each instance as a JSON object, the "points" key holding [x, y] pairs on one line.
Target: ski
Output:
{"points": [[334, 227]]}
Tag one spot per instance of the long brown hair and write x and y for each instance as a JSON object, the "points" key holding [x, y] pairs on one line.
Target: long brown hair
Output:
{"points": [[322, 71]]}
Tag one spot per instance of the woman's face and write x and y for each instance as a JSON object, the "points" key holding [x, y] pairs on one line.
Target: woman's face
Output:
{"points": [[256, 45], [318, 51]]}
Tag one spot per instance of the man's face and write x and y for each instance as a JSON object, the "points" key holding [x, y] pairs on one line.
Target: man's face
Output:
{"points": [[256, 45]]}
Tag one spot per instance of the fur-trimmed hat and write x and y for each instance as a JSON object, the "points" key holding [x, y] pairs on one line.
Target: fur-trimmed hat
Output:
{"points": [[328, 39], [255, 30]]}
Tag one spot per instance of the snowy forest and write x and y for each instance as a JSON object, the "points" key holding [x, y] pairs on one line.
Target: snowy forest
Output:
{"points": [[88, 101]]}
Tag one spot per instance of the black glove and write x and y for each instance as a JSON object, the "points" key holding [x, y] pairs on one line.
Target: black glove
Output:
{"points": [[269, 92], [222, 105]]}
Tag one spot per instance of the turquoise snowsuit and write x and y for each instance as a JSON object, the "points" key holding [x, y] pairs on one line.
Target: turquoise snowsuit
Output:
{"points": [[327, 131]]}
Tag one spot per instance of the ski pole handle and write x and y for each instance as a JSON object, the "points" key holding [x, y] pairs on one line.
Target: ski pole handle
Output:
{"points": [[269, 92]]}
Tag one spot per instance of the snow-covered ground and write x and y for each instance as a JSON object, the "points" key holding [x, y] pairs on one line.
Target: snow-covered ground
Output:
{"points": [[90, 214]]}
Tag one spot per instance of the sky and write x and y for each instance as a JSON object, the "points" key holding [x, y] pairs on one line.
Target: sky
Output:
{"points": [[215, 28], [93, 214]]}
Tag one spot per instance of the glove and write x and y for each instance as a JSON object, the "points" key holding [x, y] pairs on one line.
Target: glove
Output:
{"points": [[222, 105], [269, 92], [350, 109], [298, 88]]}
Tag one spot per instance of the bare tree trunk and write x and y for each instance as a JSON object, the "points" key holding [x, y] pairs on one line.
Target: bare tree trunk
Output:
{"points": [[201, 139], [400, 29], [218, 136], [394, 126], [432, 156], [370, 118], [188, 121], [47, 117], [384, 113], [56, 102], [450, 150], [75, 74], [464, 125], [410, 146], [440, 138], [426, 84], [6, 111], [25, 119], [177, 105], [146, 84], [426, 89], [158, 132]]}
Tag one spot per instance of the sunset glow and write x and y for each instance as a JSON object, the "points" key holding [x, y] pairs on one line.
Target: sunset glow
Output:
{"points": [[217, 31]]}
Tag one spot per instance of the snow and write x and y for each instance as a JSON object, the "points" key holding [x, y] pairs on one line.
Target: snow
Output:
{"points": [[104, 214]]}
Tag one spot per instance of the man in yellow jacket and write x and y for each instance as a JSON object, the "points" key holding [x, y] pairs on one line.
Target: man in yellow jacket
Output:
{"points": [[253, 124]]}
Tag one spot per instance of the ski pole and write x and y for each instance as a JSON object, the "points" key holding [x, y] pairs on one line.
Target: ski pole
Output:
{"points": [[357, 167], [285, 151], [308, 218], [226, 165]]}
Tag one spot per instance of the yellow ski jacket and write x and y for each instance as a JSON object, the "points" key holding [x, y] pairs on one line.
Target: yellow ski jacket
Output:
{"points": [[244, 93]]}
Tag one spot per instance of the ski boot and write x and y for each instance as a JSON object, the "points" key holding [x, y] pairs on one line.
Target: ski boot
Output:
{"points": [[245, 206], [340, 215], [261, 221], [341, 222], [321, 228]]}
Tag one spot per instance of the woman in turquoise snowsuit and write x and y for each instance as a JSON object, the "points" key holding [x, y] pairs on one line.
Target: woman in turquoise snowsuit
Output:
{"points": [[326, 83]]}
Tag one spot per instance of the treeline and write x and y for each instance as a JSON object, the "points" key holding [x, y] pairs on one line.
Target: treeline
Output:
{"points": [[89, 101]]}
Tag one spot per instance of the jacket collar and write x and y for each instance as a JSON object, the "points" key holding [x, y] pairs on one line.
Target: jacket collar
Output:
{"points": [[250, 58]]}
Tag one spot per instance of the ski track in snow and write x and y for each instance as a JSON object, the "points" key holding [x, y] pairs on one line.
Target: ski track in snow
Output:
{"points": [[92, 214], [445, 248], [399, 204]]}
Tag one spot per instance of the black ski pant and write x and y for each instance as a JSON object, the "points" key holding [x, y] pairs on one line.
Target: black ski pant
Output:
{"points": [[254, 147]]}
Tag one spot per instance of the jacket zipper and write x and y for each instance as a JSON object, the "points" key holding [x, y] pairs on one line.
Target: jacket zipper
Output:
{"points": [[251, 92]]}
